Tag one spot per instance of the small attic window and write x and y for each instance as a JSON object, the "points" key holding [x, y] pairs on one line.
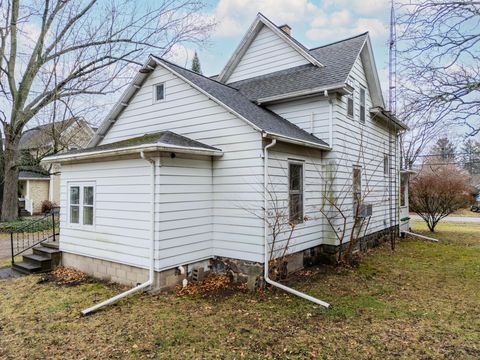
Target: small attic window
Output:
{"points": [[159, 92]]}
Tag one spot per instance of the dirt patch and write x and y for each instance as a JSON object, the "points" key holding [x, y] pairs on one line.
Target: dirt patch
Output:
{"points": [[213, 285], [64, 276]]}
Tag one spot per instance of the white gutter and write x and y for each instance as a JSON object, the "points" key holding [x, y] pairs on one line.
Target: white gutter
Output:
{"points": [[296, 141], [330, 123], [265, 227], [151, 272], [420, 236], [340, 87], [132, 150]]}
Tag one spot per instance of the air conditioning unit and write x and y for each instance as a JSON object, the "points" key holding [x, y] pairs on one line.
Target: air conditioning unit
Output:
{"points": [[365, 210]]}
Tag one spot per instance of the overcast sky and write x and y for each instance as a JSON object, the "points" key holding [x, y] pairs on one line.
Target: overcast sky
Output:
{"points": [[313, 22]]}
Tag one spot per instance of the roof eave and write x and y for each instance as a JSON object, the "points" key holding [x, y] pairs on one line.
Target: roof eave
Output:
{"points": [[296, 141], [341, 88], [122, 103], [129, 150], [22, 178], [385, 115]]}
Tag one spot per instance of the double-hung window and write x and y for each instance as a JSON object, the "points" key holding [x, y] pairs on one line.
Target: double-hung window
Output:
{"points": [[362, 105], [295, 192], [81, 204], [357, 189]]}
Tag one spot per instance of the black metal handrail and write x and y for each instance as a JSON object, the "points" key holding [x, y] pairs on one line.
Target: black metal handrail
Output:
{"points": [[34, 233]]}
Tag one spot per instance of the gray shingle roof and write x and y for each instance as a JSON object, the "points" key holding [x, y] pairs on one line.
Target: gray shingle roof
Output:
{"points": [[24, 174], [262, 118], [158, 138], [338, 59], [44, 134]]}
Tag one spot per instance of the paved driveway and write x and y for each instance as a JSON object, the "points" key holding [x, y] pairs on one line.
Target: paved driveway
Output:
{"points": [[462, 219]]}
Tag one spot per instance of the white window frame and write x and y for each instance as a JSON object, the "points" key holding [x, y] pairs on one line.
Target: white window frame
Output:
{"points": [[302, 164], [351, 97], [386, 161], [154, 91], [354, 198], [81, 185], [364, 105]]}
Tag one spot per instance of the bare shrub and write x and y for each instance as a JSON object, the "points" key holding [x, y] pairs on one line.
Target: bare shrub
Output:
{"points": [[438, 191]]}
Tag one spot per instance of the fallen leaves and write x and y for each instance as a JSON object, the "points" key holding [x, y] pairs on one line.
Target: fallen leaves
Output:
{"points": [[213, 283], [65, 276]]}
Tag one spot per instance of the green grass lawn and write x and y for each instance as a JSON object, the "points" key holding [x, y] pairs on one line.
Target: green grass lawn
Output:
{"points": [[420, 302]]}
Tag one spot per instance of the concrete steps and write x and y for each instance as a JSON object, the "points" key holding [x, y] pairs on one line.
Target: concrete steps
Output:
{"points": [[45, 257]]}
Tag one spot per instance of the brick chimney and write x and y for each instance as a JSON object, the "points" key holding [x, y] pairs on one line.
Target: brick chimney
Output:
{"points": [[286, 29]]}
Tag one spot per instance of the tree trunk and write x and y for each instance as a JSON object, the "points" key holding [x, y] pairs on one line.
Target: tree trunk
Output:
{"points": [[10, 185]]}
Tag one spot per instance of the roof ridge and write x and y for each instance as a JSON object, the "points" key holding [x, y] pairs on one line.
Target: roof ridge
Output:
{"points": [[193, 72], [339, 41]]}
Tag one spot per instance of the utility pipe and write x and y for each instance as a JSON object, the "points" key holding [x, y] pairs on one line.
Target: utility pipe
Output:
{"points": [[151, 272], [420, 236], [265, 225]]}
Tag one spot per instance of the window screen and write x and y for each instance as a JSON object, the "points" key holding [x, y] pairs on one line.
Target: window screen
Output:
{"points": [[295, 192], [159, 92], [362, 105]]}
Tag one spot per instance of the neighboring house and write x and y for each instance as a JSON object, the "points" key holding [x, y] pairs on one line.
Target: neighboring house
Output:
{"points": [[179, 164], [38, 183]]}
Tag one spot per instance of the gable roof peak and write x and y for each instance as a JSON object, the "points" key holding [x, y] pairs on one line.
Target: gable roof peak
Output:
{"points": [[366, 34], [259, 22]]}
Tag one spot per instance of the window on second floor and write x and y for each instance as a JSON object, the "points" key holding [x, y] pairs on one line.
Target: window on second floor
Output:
{"points": [[386, 164], [357, 189], [159, 92], [350, 105], [362, 105]]}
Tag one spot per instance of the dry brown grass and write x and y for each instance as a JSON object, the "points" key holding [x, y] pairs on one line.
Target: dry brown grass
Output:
{"points": [[421, 302]]}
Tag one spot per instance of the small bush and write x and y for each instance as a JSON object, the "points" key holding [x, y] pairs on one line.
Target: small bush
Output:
{"points": [[47, 206]]}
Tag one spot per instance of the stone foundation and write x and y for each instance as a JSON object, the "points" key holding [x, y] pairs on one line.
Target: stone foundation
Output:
{"points": [[128, 275], [106, 270], [242, 271]]}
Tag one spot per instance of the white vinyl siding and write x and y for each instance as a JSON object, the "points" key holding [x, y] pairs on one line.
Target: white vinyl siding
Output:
{"points": [[266, 54], [349, 138], [184, 226], [308, 233], [302, 112], [236, 176], [121, 231]]}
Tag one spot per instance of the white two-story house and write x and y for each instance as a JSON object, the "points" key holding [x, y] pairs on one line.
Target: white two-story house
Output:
{"points": [[184, 168]]}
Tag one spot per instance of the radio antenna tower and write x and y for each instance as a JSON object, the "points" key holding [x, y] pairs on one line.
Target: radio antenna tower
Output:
{"points": [[392, 63]]}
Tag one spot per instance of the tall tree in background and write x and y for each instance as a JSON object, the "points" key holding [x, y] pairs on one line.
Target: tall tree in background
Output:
{"points": [[470, 156], [196, 67], [444, 150], [55, 50], [439, 61]]}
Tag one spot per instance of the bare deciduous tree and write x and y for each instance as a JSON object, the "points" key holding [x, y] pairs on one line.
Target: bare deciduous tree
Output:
{"points": [[54, 50], [343, 207], [439, 67], [437, 191]]}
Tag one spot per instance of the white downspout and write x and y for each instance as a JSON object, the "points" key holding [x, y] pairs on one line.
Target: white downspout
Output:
{"points": [[420, 236], [265, 226], [330, 123], [152, 249]]}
